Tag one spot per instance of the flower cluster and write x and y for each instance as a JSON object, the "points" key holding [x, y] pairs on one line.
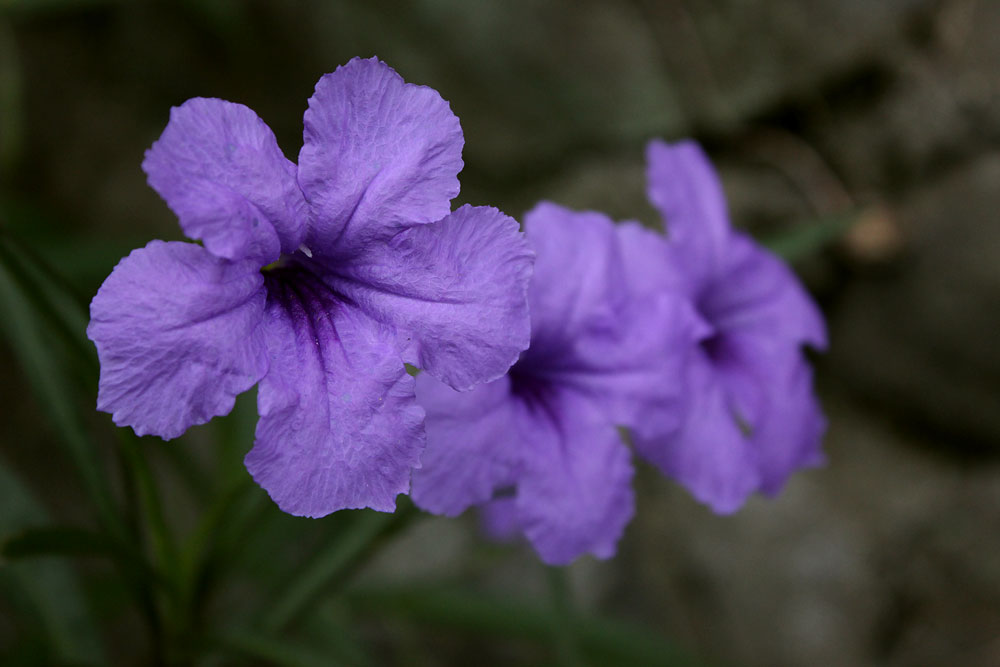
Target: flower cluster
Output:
{"points": [[693, 341], [317, 281]]}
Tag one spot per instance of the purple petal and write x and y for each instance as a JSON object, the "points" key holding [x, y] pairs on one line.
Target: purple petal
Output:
{"points": [[574, 495], [745, 367], [471, 450], [379, 155], [457, 287], [683, 186], [790, 434], [757, 293], [219, 168], [634, 372], [339, 427], [709, 454], [178, 335], [500, 520], [649, 267], [578, 285], [767, 383], [595, 331]]}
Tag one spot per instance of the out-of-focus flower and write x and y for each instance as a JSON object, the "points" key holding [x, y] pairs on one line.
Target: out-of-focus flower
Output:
{"points": [[539, 447], [751, 417], [317, 281]]}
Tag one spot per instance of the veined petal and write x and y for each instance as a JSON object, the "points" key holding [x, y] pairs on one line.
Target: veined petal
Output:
{"points": [[471, 449], [339, 427], [178, 335], [219, 168], [574, 492], [757, 293], [709, 454], [684, 187], [456, 287], [379, 155]]}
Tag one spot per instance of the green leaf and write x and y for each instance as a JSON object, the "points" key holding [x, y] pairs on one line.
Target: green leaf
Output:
{"points": [[273, 650], [333, 563], [567, 644], [54, 301], [809, 238], [602, 640], [54, 541], [44, 594], [45, 369]]}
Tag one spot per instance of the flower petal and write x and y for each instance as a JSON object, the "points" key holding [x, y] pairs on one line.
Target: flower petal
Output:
{"points": [[219, 168], [709, 454], [790, 434], [634, 372], [178, 335], [379, 155], [647, 257], [684, 187], [499, 519], [339, 427], [578, 287], [574, 494], [471, 450], [757, 293], [457, 287], [768, 384], [623, 345]]}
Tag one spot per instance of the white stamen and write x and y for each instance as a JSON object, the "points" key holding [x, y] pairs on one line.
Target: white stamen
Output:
{"points": [[305, 251]]}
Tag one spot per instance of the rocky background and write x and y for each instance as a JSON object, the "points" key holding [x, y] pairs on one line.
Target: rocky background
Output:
{"points": [[886, 114]]}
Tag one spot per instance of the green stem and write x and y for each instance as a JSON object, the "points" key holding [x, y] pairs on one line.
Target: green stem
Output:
{"points": [[566, 643], [335, 563]]}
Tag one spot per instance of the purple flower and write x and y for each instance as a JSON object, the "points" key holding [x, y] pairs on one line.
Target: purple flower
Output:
{"points": [[751, 417], [316, 281], [539, 448]]}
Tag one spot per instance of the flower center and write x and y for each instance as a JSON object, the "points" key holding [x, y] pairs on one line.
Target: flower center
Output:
{"points": [[288, 260]]}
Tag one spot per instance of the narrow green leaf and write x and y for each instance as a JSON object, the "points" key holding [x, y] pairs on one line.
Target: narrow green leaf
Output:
{"points": [[54, 541], [44, 368], [333, 563], [44, 592], [34, 316], [809, 238], [566, 642], [160, 532], [273, 650], [604, 641], [53, 299]]}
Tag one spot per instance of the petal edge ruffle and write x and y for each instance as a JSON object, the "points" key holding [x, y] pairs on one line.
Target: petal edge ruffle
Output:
{"points": [[219, 168], [177, 333], [378, 155]]}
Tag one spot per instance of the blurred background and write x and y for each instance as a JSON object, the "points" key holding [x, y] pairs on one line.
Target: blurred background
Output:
{"points": [[879, 120]]}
